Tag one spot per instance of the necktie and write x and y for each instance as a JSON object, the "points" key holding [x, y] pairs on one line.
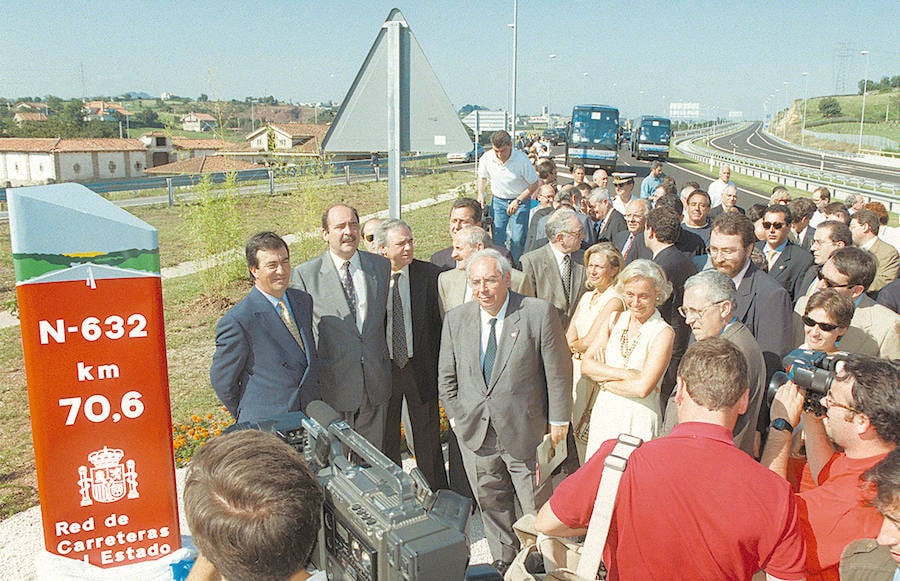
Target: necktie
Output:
{"points": [[770, 256], [627, 246], [349, 289], [289, 323], [398, 332], [567, 276], [490, 353], [597, 228]]}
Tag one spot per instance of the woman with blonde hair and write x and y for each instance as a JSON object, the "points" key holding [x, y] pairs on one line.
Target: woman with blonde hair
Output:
{"points": [[634, 348]]}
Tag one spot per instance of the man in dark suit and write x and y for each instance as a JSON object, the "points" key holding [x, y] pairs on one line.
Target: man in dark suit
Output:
{"points": [[663, 229], [802, 211], [631, 242], [605, 221], [265, 362], [350, 290], [505, 372], [414, 328], [729, 203], [761, 304], [788, 262], [556, 270], [464, 212]]}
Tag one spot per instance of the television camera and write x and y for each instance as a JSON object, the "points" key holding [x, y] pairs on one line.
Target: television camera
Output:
{"points": [[812, 371], [378, 522]]}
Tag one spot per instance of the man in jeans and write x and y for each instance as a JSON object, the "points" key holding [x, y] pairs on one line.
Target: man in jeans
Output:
{"points": [[513, 182]]}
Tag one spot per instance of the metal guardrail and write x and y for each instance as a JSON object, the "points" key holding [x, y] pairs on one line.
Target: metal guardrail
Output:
{"points": [[788, 174]]}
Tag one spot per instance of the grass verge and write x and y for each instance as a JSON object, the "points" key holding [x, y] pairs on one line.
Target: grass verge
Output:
{"points": [[191, 317]]}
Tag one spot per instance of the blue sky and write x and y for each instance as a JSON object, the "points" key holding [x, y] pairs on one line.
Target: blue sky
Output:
{"points": [[639, 56]]}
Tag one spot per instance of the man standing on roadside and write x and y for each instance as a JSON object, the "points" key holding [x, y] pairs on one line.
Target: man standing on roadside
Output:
{"points": [[464, 212], [513, 182], [864, 225], [821, 197], [653, 179], [265, 362], [350, 290], [696, 218], [718, 186], [623, 184], [630, 242], [787, 261], [413, 339]]}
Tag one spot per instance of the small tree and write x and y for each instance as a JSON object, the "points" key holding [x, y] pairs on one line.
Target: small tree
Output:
{"points": [[829, 107]]}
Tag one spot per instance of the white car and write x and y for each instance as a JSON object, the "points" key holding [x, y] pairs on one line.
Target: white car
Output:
{"points": [[465, 156]]}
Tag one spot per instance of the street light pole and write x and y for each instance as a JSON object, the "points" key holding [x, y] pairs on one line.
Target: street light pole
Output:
{"points": [[862, 115], [515, 53], [803, 127], [550, 58]]}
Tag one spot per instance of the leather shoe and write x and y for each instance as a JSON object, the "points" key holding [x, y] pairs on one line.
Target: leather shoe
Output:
{"points": [[500, 566]]}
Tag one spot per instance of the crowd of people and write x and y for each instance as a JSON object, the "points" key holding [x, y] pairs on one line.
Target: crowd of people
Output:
{"points": [[661, 311]]}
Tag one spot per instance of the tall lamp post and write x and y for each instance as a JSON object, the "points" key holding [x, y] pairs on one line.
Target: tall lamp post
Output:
{"points": [[862, 115], [803, 126], [550, 58], [515, 27]]}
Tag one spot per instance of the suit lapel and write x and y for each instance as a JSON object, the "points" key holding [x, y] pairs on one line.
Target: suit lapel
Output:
{"points": [[268, 319], [551, 272], [745, 293], [507, 340]]}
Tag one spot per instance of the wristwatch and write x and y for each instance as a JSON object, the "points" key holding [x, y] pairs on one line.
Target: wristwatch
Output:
{"points": [[783, 425]]}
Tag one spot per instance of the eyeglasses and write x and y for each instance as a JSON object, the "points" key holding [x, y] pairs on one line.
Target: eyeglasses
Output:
{"points": [[828, 282], [831, 402], [694, 313], [726, 252], [810, 322], [489, 281], [776, 225]]}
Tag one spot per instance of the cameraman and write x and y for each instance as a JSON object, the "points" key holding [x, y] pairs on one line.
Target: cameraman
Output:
{"points": [[863, 419], [253, 508]]}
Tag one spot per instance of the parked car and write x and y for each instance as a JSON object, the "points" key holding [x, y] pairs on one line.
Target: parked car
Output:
{"points": [[556, 136], [465, 156]]}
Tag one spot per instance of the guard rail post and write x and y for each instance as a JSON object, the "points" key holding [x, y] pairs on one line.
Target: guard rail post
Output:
{"points": [[171, 191], [347, 173], [271, 173]]}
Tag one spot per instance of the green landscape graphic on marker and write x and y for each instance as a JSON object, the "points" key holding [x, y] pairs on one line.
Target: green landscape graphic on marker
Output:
{"points": [[54, 234]]}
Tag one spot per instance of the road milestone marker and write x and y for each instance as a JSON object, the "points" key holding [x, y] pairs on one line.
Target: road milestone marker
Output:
{"points": [[90, 305]]}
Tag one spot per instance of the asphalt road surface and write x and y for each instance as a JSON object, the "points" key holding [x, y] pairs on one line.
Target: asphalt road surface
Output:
{"points": [[752, 142]]}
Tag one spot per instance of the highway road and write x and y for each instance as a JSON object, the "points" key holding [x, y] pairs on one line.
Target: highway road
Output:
{"points": [[753, 142]]}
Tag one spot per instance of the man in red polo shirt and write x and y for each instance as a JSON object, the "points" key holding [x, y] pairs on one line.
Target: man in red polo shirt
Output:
{"points": [[691, 505], [863, 419]]}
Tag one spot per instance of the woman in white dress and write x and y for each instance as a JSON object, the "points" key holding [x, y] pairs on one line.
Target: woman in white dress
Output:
{"points": [[602, 262], [634, 348]]}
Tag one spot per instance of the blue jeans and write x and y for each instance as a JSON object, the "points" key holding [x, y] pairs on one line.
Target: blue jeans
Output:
{"points": [[518, 226]]}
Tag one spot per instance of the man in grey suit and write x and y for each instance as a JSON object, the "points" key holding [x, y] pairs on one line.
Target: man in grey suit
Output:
{"points": [[265, 362], [350, 291], [504, 372], [453, 285], [556, 271], [708, 309]]}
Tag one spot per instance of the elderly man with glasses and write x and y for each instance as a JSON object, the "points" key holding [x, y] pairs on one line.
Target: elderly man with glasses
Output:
{"points": [[862, 420]]}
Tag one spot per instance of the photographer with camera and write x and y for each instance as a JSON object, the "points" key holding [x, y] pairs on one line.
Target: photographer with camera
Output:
{"points": [[862, 403]]}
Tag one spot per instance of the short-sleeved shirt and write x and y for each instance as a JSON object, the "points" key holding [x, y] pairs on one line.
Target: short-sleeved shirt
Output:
{"points": [[837, 512], [510, 179], [691, 505]]}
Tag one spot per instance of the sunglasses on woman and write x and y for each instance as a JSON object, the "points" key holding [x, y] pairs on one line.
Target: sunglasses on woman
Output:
{"points": [[810, 322]]}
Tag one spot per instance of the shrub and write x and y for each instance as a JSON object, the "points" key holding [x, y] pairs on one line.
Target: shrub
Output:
{"points": [[829, 107]]}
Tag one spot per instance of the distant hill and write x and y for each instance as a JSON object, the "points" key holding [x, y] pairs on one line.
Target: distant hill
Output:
{"points": [[466, 109], [137, 95]]}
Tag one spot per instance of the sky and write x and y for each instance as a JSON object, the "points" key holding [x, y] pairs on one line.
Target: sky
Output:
{"points": [[636, 55]]}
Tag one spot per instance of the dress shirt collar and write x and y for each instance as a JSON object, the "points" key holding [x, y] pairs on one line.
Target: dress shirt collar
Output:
{"points": [[339, 262], [868, 245], [740, 276], [501, 314], [274, 300]]}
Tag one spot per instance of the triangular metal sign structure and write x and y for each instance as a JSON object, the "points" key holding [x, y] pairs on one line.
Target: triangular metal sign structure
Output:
{"points": [[396, 104], [427, 120]]}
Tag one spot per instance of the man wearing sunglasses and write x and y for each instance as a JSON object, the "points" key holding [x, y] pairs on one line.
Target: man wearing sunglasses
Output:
{"points": [[787, 261], [862, 420], [875, 329], [828, 237]]}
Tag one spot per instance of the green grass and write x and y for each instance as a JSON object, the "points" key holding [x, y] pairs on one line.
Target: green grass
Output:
{"points": [[891, 131], [190, 316], [877, 103]]}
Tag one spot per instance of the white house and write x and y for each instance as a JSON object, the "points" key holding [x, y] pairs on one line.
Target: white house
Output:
{"points": [[35, 161], [198, 122]]}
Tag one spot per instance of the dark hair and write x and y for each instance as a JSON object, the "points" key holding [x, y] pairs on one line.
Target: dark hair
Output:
{"points": [[656, 163], [886, 477], [823, 192], [838, 209], [715, 373], [780, 209], [672, 202], [868, 217], [665, 223], [699, 193], [876, 395], [263, 241], [858, 265], [668, 182], [691, 184], [838, 231], [333, 206], [253, 506], [735, 224], [756, 212], [544, 167], [500, 139], [840, 307], [801, 208], [470, 203]]}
